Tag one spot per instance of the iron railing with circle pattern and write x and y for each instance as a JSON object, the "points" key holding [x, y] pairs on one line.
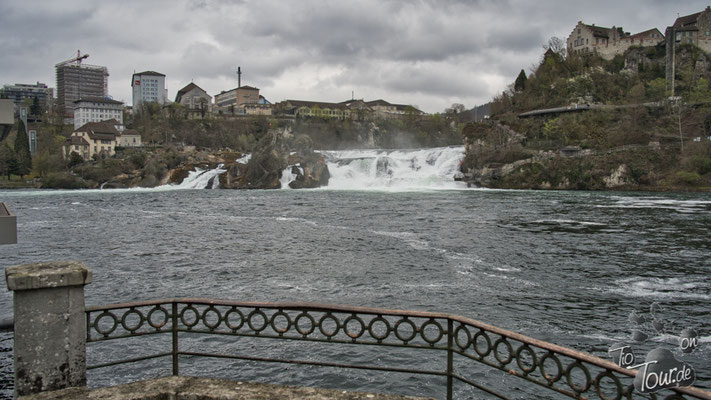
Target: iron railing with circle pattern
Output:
{"points": [[553, 368]]}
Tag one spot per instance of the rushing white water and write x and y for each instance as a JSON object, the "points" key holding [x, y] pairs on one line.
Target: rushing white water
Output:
{"points": [[202, 179], [395, 170], [287, 176], [383, 170]]}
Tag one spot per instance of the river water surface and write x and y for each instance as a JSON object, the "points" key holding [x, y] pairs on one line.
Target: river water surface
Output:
{"points": [[565, 267]]}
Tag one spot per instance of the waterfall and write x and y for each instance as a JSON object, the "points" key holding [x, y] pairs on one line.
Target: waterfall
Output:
{"points": [[421, 169], [390, 170], [202, 179]]}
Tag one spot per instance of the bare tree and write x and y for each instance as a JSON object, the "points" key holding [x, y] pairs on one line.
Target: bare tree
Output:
{"points": [[556, 45]]}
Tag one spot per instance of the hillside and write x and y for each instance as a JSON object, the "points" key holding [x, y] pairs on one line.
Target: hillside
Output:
{"points": [[617, 128]]}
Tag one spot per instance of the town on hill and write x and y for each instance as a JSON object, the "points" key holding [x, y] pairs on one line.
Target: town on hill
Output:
{"points": [[604, 109]]}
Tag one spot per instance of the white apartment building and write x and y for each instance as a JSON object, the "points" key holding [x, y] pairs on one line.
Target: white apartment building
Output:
{"points": [[148, 86], [96, 109]]}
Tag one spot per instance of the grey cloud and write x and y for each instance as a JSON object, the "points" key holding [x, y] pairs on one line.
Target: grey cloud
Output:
{"points": [[432, 51]]}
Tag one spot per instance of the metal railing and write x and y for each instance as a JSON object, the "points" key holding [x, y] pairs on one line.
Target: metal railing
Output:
{"points": [[553, 368]]}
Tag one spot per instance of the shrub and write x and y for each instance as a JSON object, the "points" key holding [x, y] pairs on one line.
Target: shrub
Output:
{"points": [[64, 180], [701, 164], [689, 178]]}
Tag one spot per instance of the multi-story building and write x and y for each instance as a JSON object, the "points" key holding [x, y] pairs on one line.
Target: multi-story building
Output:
{"points": [[21, 91], [97, 109], [77, 81], [129, 138], [148, 87], [608, 42], [694, 28], [93, 138], [304, 108], [196, 101], [236, 99]]}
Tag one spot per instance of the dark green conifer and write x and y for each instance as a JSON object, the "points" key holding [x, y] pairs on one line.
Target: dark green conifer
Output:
{"points": [[22, 151], [520, 83]]}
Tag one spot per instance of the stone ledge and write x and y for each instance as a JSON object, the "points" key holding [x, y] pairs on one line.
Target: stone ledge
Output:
{"points": [[192, 388], [47, 275]]}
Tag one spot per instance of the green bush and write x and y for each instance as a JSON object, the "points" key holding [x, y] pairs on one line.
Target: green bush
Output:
{"points": [[64, 180], [103, 170], [701, 164], [689, 178]]}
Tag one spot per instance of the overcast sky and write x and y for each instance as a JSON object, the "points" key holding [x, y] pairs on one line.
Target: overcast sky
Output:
{"points": [[425, 53]]}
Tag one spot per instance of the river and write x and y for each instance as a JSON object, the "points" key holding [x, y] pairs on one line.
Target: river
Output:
{"points": [[565, 267]]}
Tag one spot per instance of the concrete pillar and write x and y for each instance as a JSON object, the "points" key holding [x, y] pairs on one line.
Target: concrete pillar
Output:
{"points": [[50, 325]]}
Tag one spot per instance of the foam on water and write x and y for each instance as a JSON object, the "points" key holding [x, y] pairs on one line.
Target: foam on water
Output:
{"points": [[683, 206], [670, 288], [202, 179]]}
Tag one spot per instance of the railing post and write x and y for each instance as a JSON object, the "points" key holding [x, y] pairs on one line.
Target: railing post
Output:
{"points": [[175, 337], [50, 325], [450, 357]]}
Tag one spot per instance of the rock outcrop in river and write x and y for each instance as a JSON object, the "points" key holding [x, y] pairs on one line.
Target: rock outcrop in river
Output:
{"points": [[270, 158]]}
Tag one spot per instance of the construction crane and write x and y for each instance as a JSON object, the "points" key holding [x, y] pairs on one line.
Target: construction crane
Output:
{"points": [[76, 59]]}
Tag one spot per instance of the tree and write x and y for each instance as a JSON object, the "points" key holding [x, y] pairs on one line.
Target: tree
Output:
{"points": [[556, 45], [8, 162], [75, 159], [699, 93], [520, 83], [22, 151], [44, 163]]}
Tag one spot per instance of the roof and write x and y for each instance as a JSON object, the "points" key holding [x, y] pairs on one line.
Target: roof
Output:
{"points": [[687, 21], [77, 141], [98, 100], [112, 121], [130, 132], [602, 32], [647, 33], [99, 130], [241, 87], [379, 102], [320, 104], [150, 73], [406, 107], [190, 86]]}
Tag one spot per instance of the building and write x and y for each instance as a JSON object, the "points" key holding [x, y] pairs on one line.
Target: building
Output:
{"points": [[305, 108], [196, 101], [93, 138], [694, 28], [237, 97], [97, 109], [608, 42], [383, 109], [7, 117], [353, 109], [148, 87], [22, 91], [129, 138], [77, 81]]}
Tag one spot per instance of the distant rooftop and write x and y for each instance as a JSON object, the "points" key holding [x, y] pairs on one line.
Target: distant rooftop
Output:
{"points": [[154, 73], [98, 100]]}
